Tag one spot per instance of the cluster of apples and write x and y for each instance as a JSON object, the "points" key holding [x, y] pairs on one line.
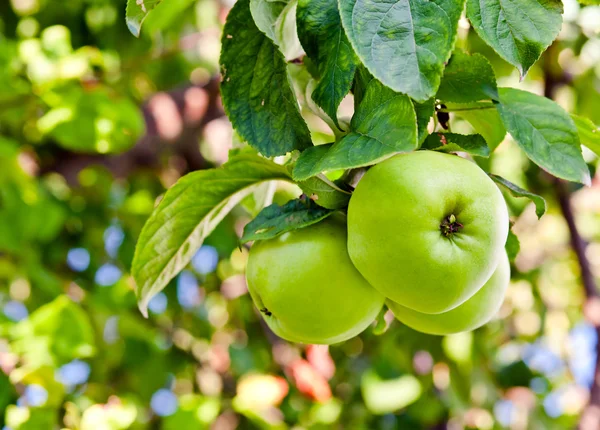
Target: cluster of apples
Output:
{"points": [[425, 233]]}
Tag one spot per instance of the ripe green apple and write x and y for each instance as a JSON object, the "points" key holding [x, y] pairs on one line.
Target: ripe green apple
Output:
{"points": [[306, 287], [427, 229], [472, 314]]}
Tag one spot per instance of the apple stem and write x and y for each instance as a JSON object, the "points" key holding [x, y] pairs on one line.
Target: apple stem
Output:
{"points": [[450, 225]]}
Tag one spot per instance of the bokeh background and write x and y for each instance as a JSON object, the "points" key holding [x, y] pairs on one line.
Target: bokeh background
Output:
{"points": [[95, 125]]}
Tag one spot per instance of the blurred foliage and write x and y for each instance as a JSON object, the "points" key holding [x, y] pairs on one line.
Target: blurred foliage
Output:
{"points": [[76, 353]]}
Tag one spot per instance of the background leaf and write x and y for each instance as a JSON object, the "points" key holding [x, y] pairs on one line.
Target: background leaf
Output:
{"points": [[468, 78], [383, 125], [451, 142], [275, 220], [545, 132], [325, 42], [519, 31], [256, 91], [189, 211], [403, 43], [516, 191], [91, 121]]}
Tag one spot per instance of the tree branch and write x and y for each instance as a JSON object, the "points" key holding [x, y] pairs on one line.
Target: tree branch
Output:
{"points": [[554, 77]]}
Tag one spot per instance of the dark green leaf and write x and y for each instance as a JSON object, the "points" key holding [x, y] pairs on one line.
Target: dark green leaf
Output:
{"points": [[189, 211], [323, 38], [589, 133], [256, 91], [275, 220], [513, 246], [516, 191], [519, 31], [404, 43], [326, 193], [545, 132], [451, 142], [362, 77], [383, 125], [137, 11], [424, 112], [468, 78]]}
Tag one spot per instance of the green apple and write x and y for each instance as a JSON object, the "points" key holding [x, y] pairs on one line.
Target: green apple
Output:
{"points": [[306, 287], [473, 313], [427, 229]]}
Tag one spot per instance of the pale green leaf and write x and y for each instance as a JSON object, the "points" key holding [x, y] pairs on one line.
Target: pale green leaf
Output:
{"points": [[486, 122], [323, 38], [265, 14], [589, 133], [189, 211], [137, 11]]}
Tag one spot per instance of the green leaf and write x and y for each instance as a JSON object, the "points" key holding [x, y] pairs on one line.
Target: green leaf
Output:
{"points": [[257, 94], [189, 211], [513, 246], [545, 132], [326, 193], [424, 112], [589, 133], [275, 220], [383, 125], [451, 142], [95, 121], [519, 31], [137, 11], [265, 14], [486, 122], [403, 43], [323, 38], [468, 78], [516, 191]]}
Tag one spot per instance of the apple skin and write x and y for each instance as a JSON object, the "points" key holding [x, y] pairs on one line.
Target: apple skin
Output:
{"points": [[395, 236], [306, 287], [472, 314]]}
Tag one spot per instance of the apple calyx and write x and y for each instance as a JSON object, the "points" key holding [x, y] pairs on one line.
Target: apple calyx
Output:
{"points": [[450, 225], [266, 311]]}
